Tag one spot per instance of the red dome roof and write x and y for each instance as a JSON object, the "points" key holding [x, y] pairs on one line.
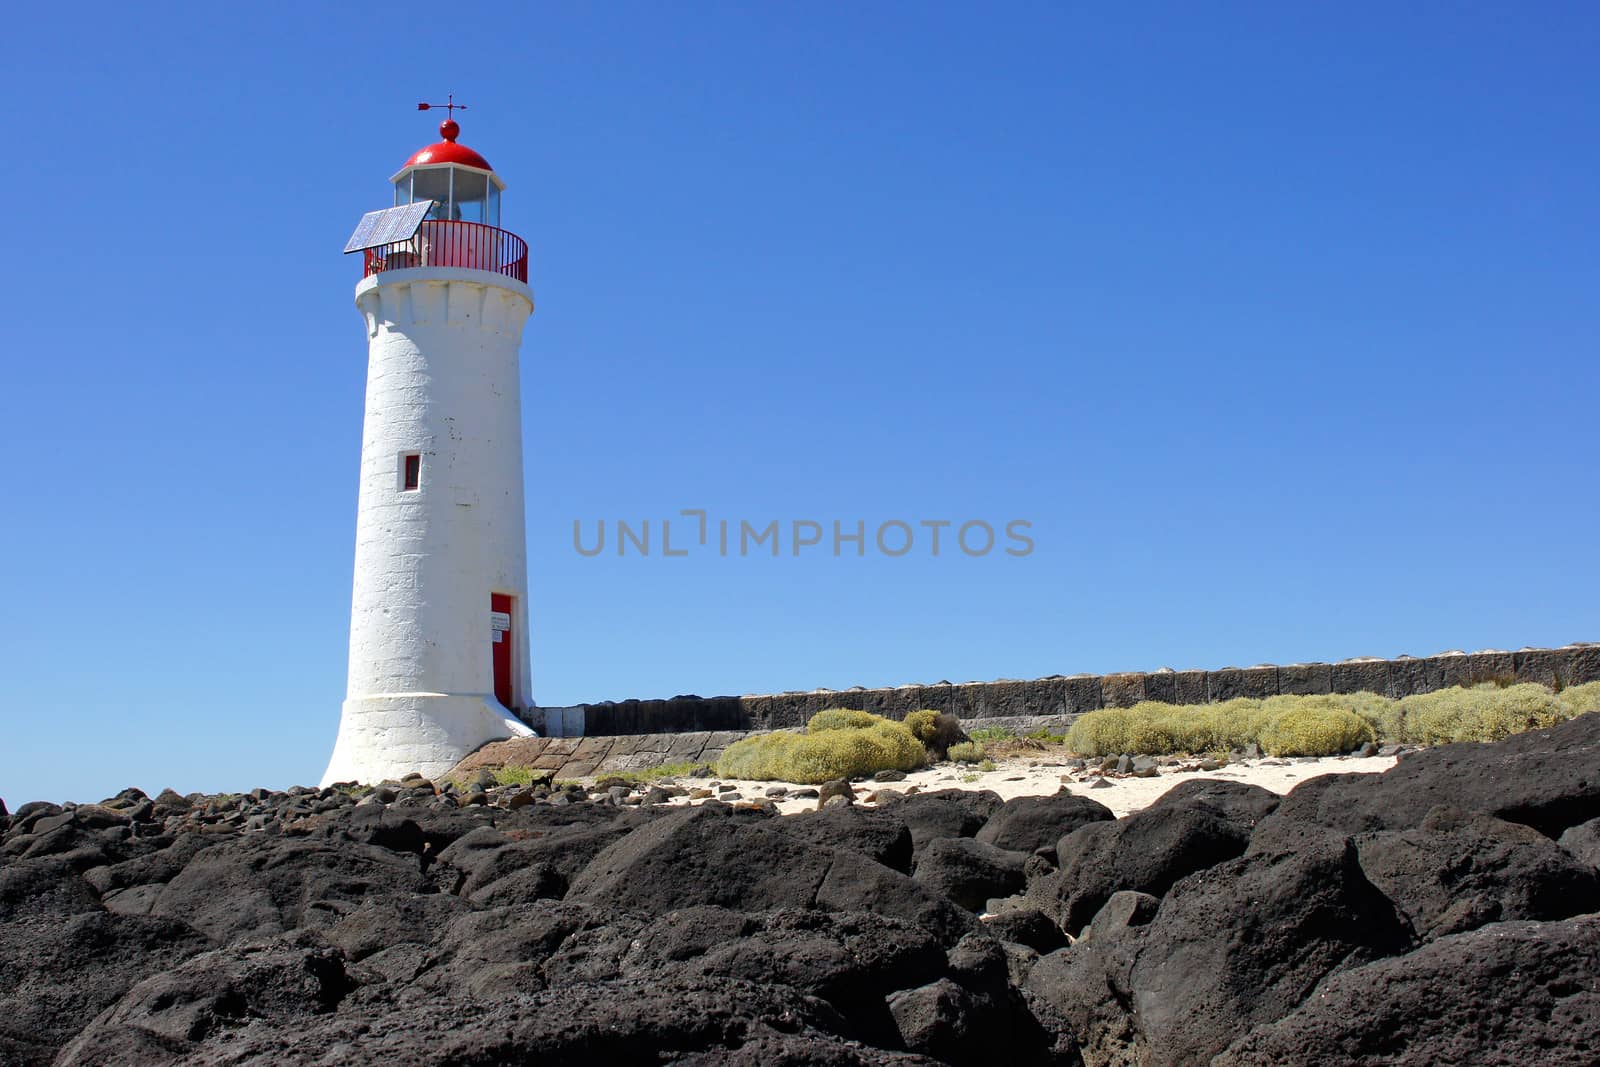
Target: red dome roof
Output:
{"points": [[447, 151]]}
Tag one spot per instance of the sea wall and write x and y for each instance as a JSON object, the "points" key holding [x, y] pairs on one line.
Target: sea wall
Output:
{"points": [[1075, 694]]}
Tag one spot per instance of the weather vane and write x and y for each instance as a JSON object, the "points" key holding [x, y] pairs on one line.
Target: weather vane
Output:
{"points": [[450, 108]]}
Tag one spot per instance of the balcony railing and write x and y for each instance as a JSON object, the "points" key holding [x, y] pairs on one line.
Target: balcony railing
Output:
{"points": [[439, 243]]}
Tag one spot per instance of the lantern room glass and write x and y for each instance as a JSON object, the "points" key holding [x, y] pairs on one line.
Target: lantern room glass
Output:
{"points": [[459, 193]]}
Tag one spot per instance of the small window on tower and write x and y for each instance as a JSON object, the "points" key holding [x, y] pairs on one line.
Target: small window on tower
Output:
{"points": [[412, 476]]}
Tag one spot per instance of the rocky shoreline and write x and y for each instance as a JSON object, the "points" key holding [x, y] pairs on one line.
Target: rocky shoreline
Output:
{"points": [[1442, 911]]}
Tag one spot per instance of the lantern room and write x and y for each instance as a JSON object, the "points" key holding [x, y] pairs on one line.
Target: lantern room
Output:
{"points": [[446, 213], [460, 182]]}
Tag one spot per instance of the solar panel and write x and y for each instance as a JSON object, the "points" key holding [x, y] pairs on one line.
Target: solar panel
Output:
{"points": [[389, 226]]}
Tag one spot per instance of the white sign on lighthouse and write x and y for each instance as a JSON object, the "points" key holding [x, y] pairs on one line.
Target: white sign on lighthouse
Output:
{"points": [[439, 613]]}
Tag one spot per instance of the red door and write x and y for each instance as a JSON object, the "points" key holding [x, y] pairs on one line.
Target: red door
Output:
{"points": [[500, 634]]}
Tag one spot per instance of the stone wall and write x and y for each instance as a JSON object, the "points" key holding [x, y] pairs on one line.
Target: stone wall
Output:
{"points": [[1074, 695]]}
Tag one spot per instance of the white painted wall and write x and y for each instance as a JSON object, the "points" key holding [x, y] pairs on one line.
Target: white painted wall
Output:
{"points": [[442, 380]]}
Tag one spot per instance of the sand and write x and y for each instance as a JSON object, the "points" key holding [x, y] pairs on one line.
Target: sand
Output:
{"points": [[1025, 777]]}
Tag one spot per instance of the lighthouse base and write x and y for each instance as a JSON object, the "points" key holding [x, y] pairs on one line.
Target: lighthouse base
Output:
{"points": [[391, 735]]}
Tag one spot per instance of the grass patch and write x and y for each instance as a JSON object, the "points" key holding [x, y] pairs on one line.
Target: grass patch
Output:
{"points": [[837, 744], [651, 774], [991, 734]]}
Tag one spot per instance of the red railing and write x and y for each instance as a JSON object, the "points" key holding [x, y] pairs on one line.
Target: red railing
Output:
{"points": [[454, 244]]}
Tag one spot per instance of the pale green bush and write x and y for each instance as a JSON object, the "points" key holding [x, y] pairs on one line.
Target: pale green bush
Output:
{"points": [[1101, 733], [840, 719], [847, 745], [924, 724], [1315, 729], [966, 752], [1484, 712], [1582, 698], [1328, 723]]}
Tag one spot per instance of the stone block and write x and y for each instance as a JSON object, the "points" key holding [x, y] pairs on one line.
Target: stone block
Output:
{"points": [[626, 745], [578, 768], [680, 714], [938, 697], [1305, 679], [1477, 667], [593, 748], [1190, 687], [822, 700], [1361, 676], [1541, 665], [720, 713], [897, 703], [758, 711], [789, 710], [599, 718], [1007, 696], [1046, 696], [562, 746], [1122, 690], [1162, 686], [1583, 664], [1082, 693], [1409, 675], [967, 700], [687, 747], [1257, 683], [644, 716]]}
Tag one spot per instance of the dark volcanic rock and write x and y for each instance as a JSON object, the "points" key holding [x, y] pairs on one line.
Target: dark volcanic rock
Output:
{"points": [[1146, 852], [279, 982], [622, 1022], [1457, 872], [1510, 993], [852, 961], [44, 888], [1545, 779], [1029, 823], [970, 872], [61, 971], [944, 813], [880, 835], [714, 855], [1583, 842], [258, 885], [1026, 926], [1232, 947]]}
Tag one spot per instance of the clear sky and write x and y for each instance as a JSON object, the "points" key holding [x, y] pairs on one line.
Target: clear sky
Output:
{"points": [[1277, 322]]}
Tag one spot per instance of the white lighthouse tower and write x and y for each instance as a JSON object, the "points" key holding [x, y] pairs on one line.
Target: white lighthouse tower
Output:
{"points": [[439, 615]]}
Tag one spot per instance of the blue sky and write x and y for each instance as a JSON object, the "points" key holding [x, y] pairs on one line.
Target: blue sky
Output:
{"points": [[1276, 322]]}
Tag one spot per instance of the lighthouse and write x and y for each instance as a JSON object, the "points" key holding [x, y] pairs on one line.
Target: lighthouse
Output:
{"points": [[439, 608]]}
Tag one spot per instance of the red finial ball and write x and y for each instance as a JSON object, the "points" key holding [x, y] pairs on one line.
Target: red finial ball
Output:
{"points": [[449, 130]]}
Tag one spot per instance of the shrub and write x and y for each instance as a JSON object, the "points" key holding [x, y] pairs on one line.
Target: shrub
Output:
{"points": [[1582, 698], [936, 730], [1112, 731], [1315, 730], [840, 719], [966, 752], [841, 748], [1484, 712], [1325, 724]]}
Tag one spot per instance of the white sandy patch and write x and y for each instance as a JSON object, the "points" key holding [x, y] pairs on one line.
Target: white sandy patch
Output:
{"points": [[1032, 777]]}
